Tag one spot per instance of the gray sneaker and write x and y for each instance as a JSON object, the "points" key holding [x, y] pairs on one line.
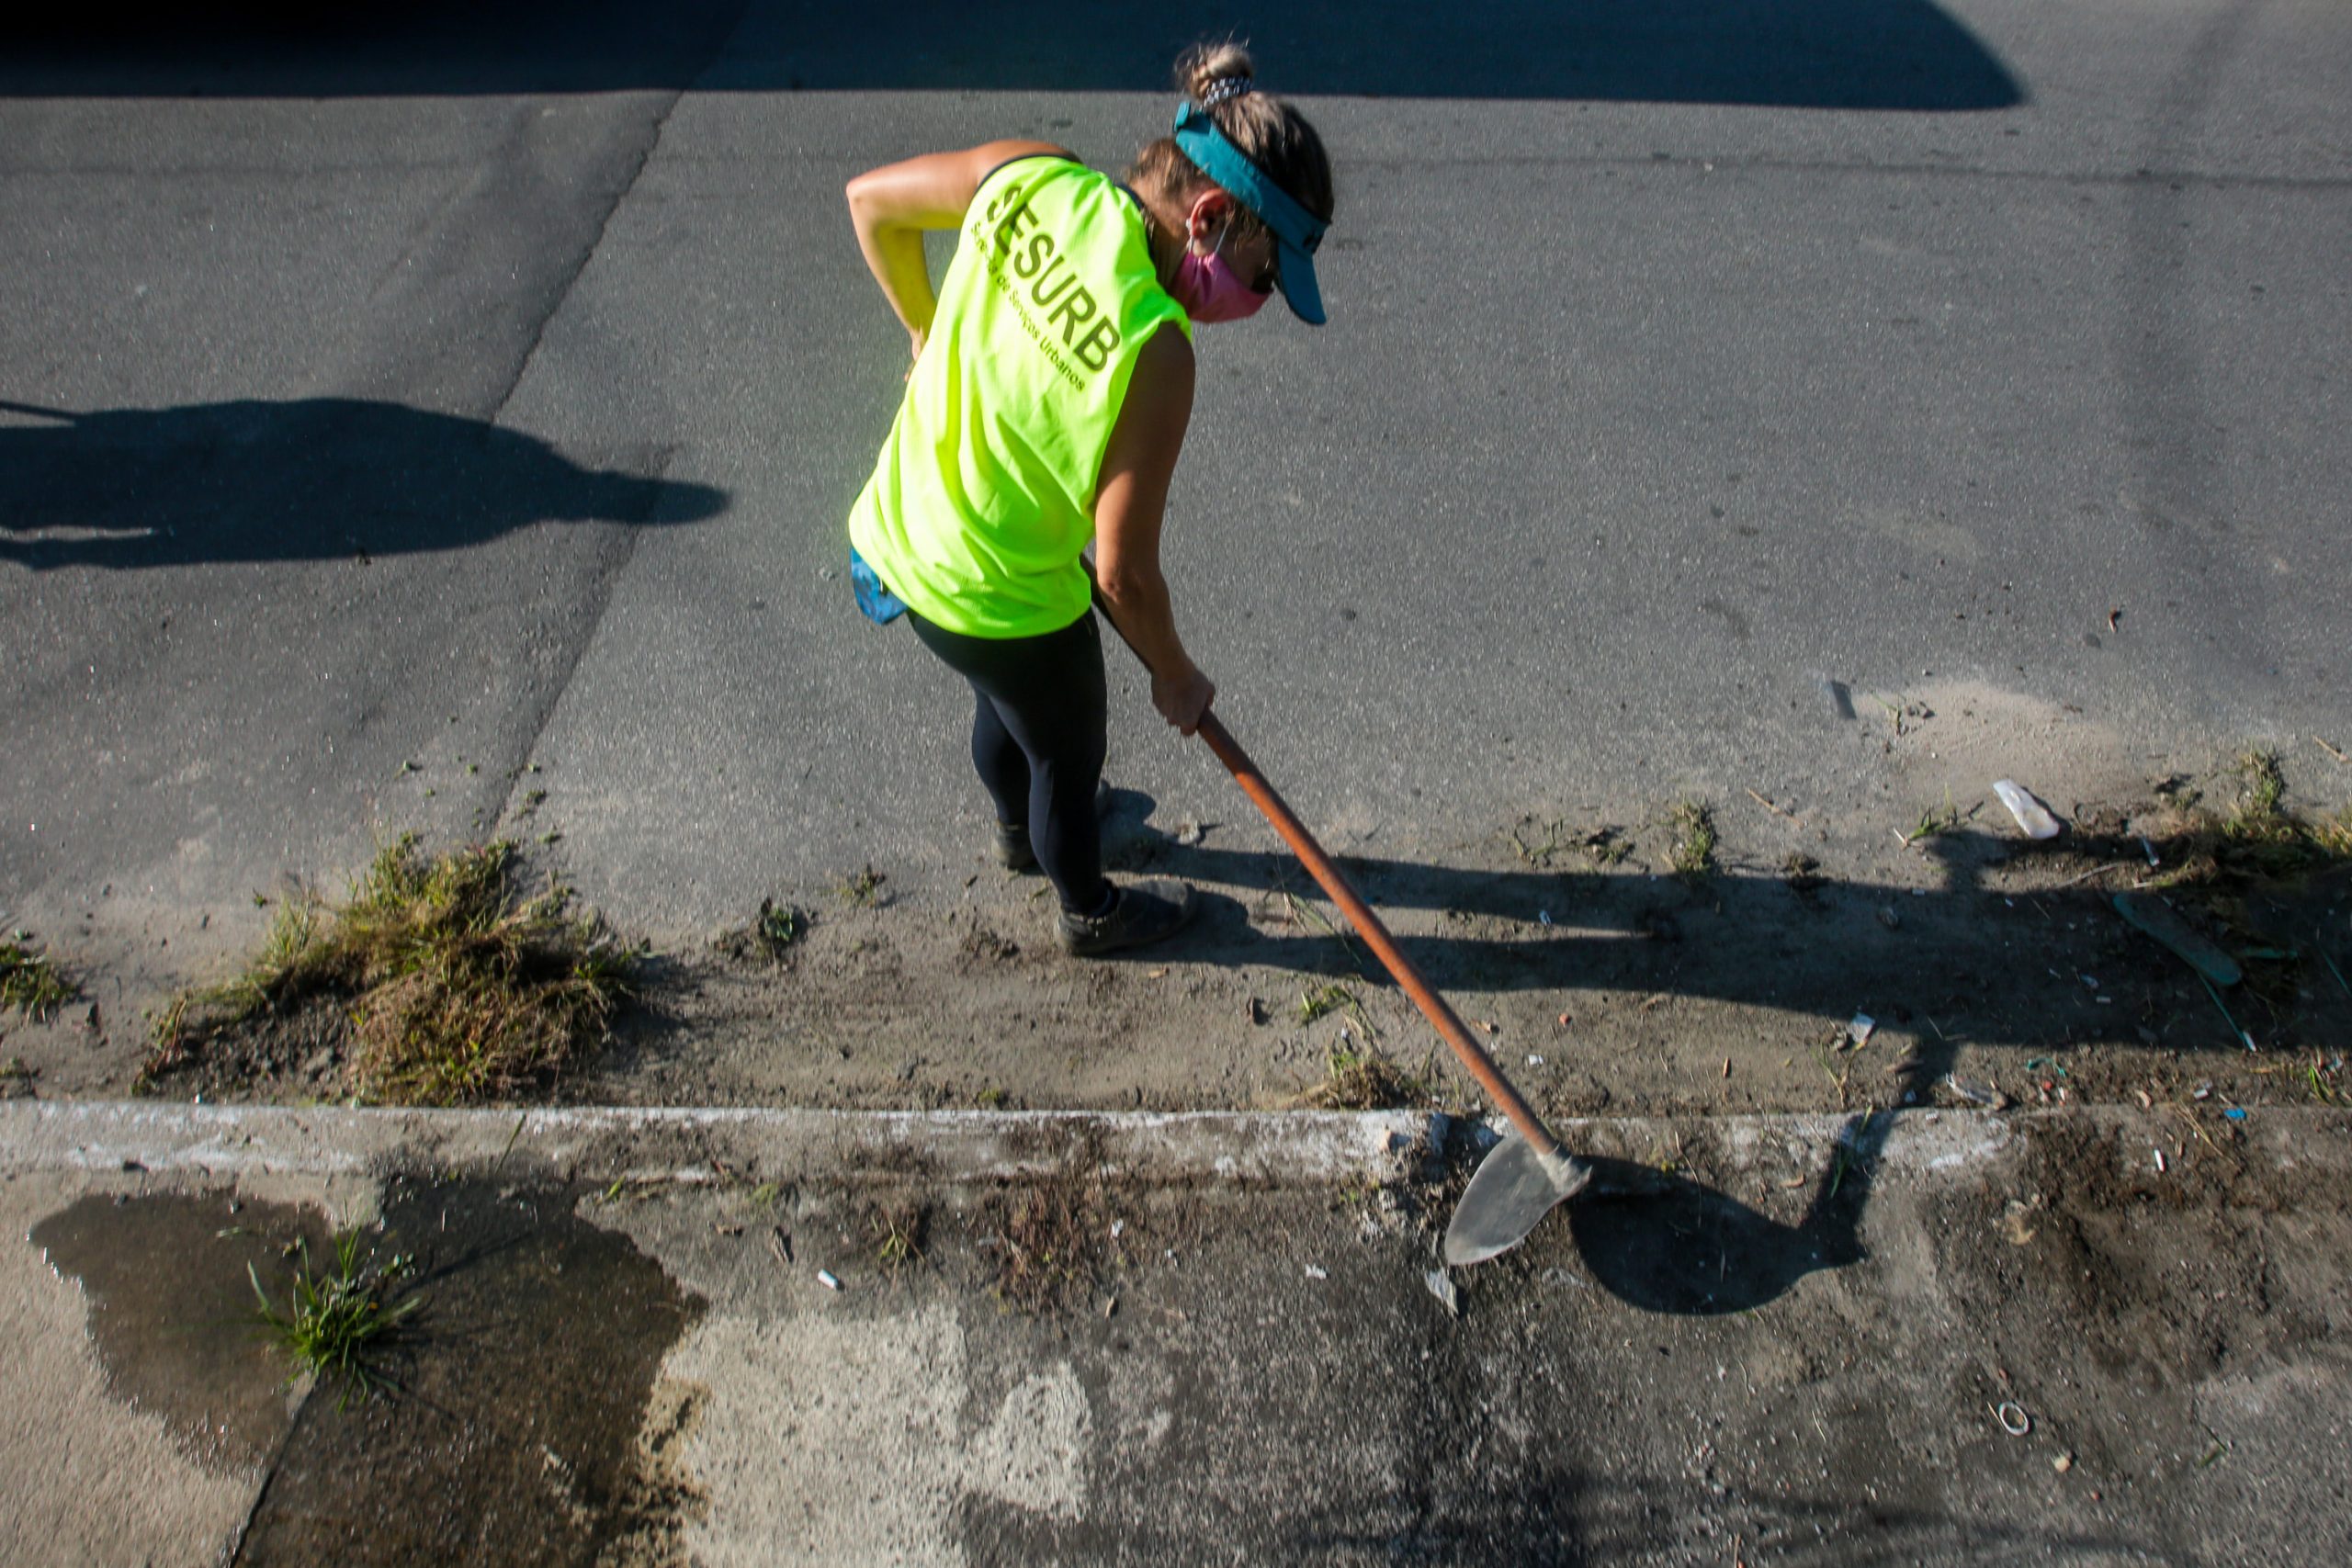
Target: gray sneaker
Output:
{"points": [[1140, 912]]}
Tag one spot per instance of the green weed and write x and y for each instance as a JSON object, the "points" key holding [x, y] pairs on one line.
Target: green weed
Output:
{"points": [[1556, 837], [1313, 1004], [778, 927], [1933, 822], [335, 1325], [2257, 840], [1692, 855], [862, 890], [897, 1235], [1607, 846]]}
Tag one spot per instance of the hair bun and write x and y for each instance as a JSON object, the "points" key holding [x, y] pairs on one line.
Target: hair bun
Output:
{"points": [[1222, 67]]}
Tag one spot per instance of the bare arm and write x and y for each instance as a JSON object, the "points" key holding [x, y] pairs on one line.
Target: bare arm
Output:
{"points": [[890, 208], [1130, 501]]}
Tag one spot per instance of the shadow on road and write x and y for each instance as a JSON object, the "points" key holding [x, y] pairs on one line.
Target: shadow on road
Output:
{"points": [[1961, 964], [1850, 54], [1666, 1244], [308, 479]]}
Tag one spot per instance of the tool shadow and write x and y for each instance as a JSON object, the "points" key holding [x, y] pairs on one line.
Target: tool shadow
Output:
{"points": [[1964, 960]]}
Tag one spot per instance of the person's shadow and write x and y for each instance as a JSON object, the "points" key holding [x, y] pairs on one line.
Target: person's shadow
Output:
{"points": [[310, 478]]}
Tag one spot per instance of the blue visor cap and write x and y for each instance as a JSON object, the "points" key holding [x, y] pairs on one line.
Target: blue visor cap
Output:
{"points": [[1297, 230]]}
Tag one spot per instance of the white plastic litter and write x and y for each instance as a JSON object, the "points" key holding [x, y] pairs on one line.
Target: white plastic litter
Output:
{"points": [[2034, 817]]}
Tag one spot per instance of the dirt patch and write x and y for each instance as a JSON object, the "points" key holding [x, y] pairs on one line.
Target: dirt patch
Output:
{"points": [[2126, 1265], [1602, 970], [2156, 1244]]}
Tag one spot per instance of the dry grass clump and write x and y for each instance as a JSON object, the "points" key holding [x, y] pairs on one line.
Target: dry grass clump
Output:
{"points": [[2255, 841], [29, 983], [2270, 841], [1364, 1079], [1052, 1233], [461, 987]]}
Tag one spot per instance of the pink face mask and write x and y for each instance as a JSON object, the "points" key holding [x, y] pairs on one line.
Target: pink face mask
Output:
{"points": [[1212, 291]]}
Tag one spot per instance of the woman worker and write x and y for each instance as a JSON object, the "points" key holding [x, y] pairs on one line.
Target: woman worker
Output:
{"points": [[1051, 387]]}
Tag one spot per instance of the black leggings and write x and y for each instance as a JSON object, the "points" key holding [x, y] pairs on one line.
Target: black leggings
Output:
{"points": [[1038, 719]]}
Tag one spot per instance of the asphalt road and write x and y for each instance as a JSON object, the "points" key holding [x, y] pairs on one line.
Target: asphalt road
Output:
{"points": [[398, 409]]}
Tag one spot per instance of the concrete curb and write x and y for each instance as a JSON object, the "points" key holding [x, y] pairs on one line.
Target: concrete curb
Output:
{"points": [[692, 1147], [699, 1146], [706, 1145]]}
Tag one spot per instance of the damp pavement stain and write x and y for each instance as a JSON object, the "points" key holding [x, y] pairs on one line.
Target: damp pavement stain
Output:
{"points": [[521, 1389], [87, 1475], [171, 1310]]}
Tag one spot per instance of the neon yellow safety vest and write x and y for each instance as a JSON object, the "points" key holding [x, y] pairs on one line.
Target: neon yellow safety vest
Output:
{"points": [[984, 494]]}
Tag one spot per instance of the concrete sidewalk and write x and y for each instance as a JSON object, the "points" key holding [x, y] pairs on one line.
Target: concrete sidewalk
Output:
{"points": [[2080, 1336]]}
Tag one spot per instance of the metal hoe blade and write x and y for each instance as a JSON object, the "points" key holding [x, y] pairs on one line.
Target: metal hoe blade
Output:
{"points": [[1511, 1193]]}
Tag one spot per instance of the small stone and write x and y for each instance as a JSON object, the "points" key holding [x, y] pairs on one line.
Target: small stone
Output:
{"points": [[2063, 1464]]}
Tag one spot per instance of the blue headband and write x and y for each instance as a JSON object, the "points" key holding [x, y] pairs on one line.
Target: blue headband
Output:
{"points": [[1297, 230]]}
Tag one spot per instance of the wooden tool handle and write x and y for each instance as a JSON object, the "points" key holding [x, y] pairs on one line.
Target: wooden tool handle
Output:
{"points": [[1375, 935]]}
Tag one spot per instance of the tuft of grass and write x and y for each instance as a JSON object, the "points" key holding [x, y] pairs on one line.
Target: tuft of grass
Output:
{"points": [[1692, 855], [462, 987], [1932, 823], [897, 1233], [335, 1324], [1607, 846], [31, 982], [2265, 787], [864, 890], [1313, 1004], [1364, 1079], [2257, 840], [2316, 1078]]}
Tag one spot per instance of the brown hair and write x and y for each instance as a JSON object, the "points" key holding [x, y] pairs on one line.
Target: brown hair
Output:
{"points": [[1268, 131]]}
